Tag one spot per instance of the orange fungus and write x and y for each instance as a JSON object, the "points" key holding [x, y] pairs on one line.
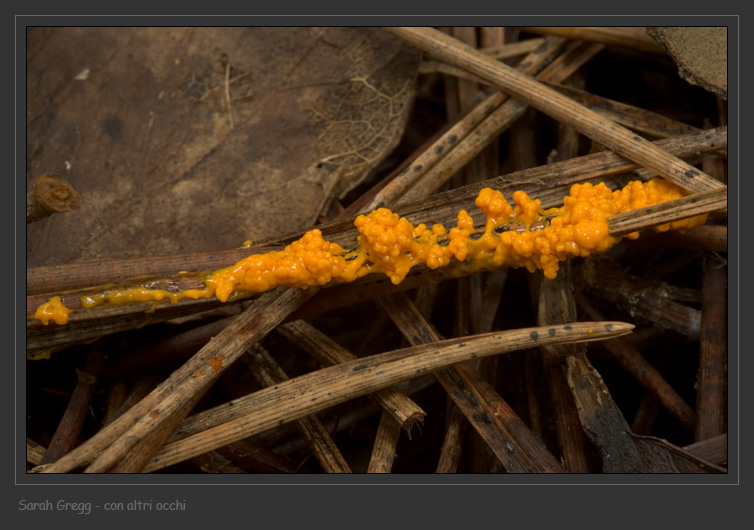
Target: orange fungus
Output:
{"points": [[514, 235]]}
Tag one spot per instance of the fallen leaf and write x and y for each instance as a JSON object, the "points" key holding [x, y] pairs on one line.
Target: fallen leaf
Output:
{"points": [[197, 139]]}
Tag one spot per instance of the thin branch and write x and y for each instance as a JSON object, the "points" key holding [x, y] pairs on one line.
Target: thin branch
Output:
{"points": [[442, 206], [50, 193], [706, 237], [269, 373], [34, 452], [385, 443], [490, 128], [452, 445], [713, 355], [631, 37], [674, 210], [632, 117], [456, 139], [67, 434], [603, 277], [493, 419], [394, 401], [312, 392], [647, 375], [563, 109], [194, 378], [503, 51], [88, 324], [557, 306]]}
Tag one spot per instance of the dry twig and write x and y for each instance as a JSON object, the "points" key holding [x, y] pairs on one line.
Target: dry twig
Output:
{"points": [[631, 36], [315, 391], [269, 373], [565, 110], [49, 194]]}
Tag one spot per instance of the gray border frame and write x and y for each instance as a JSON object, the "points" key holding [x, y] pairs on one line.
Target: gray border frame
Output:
{"points": [[39, 487]]}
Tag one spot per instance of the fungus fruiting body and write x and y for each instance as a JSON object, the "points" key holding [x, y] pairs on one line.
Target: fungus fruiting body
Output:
{"points": [[518, 235]]}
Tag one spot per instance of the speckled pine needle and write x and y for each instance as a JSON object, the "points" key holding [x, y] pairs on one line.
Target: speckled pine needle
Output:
{"points": [[315, 391]]}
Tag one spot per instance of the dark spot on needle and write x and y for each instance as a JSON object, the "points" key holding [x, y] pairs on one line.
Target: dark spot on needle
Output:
{"points": [[534, 335], [439, 149], [691, 173], [551, 332], [609, 327], [452, 139], [359, 367]]}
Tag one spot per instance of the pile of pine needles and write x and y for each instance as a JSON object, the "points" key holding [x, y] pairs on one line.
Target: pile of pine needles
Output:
{"points": [[617, 365]]}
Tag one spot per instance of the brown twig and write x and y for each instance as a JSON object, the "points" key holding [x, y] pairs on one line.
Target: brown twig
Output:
{"points": [[273, 406], [116, 397], [492, 126], [563, 109], [713, 355], [55, 278], [713, 238], [252, 456], [496, 51], [385, 443], [602, 419], [699, 203], [285, 439], [492, 418], [144, 384], [34, 452], [394, 401], [186, 384], [441, 207], [268, 373], [632, 36], [632, 117], [131, 452], [485, 121], [452, 446], [557, 306], [67, 434], [50, 193], [604, 278], [641, 370]]}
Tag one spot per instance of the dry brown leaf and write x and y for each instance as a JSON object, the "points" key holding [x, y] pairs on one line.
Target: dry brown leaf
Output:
{"points": [[197, 139], [701, 54]]}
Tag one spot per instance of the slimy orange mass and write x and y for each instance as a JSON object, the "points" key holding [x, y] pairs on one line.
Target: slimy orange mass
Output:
{"points": [[519, 235]]}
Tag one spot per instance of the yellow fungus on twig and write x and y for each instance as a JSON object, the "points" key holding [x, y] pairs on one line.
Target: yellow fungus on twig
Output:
{"points": [[522, 235]]}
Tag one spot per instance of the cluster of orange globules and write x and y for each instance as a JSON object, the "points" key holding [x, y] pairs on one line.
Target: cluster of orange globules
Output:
{"points": [[519, 235]]}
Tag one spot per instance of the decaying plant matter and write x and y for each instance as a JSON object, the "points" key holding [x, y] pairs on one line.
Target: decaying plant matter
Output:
{"points": [[452, 369]]}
